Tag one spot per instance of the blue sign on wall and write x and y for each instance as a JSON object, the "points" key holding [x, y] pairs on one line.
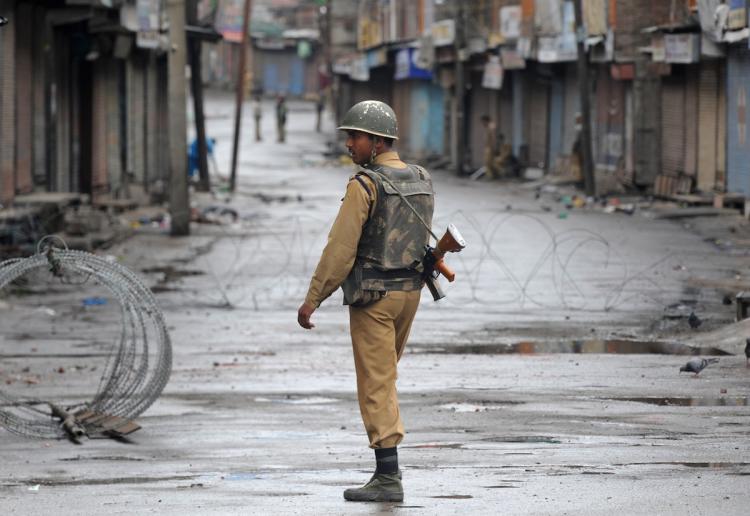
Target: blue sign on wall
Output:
{"points": [[406, 66]]}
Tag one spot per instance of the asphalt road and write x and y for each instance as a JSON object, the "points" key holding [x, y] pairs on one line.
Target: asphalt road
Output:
{"points": [[545, 383]]}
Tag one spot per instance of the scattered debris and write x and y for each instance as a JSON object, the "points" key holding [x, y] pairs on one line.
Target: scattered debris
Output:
{"points": [[694, 321]]}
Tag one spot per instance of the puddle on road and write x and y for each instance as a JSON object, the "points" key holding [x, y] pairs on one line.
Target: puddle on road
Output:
{"points": [[522, 439], [480, 406], [297, 400], [619, 347], [728, 401], [107, 458], [701, 465]]}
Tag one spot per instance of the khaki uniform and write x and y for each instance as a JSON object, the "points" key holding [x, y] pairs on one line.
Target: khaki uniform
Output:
{"points": [[379, 331]]}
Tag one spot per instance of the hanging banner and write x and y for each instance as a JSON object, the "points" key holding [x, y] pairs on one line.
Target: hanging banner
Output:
{"points": [[510, 22], [563, 46], [359, 69], [376, 57], [511, 59], [147, 14], [682, 48], [229, 20], [407, 66], [492, 79], [444, 32], [737, 15]]}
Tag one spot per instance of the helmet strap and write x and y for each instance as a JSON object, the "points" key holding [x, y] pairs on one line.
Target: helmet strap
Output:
{"points": [[373, 154]]}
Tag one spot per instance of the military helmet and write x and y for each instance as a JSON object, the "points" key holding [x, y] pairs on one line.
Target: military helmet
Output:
{"points": [[373, 117]]}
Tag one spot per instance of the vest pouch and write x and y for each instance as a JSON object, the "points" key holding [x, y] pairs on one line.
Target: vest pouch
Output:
{"points": [[354, 293]]}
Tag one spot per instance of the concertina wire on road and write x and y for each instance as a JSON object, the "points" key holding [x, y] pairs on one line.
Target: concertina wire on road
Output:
{"points": [[138, 365]]}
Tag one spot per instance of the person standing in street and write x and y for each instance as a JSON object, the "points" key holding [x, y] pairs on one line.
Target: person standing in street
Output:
{"points": [[320, 105], [489, 147], [258, 115], [281, 112], [374, 252]]}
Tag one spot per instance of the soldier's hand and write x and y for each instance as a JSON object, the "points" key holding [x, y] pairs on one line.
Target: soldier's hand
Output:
{"points": [[303, 316]]}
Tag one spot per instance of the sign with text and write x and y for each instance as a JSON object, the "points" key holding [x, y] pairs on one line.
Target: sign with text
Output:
{"points": [[682, 48]]}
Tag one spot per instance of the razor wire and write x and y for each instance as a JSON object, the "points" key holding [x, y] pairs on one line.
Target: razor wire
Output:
{"points": [[138, 365], [548, 275]]}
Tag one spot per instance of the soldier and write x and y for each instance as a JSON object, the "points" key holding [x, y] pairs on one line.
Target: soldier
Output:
{"points": [[374, 252]]}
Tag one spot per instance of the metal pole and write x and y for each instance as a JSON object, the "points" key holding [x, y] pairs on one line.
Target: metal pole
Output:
{"points": [[178, 190], [240, 92], [584, 88]]}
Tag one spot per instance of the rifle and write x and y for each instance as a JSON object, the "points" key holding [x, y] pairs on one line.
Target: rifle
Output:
{"points": [[434, 266]]}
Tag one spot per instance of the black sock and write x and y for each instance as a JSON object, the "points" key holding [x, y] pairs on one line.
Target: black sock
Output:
{"points": [[387, 460]]}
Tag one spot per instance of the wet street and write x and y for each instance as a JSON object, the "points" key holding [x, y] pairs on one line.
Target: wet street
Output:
{"points": [[547, 382]]}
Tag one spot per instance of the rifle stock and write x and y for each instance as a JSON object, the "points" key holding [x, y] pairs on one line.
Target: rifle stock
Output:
{"points": [[451, 242]]}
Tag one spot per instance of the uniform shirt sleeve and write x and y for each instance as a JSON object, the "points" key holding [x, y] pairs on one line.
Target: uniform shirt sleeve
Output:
{"points": [[341, 250]]}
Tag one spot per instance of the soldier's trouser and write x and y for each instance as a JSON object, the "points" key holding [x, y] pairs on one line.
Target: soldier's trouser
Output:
{"points": [[379, 332]]}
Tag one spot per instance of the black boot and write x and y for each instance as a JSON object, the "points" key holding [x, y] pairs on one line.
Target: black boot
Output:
{"points": [[382, 487]]}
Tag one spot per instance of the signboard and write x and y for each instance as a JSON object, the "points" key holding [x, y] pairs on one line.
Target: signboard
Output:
{"points": [[492, 79], [657, 48], [511, 59], [443, 32], [682, 48], [563, 46], [359, 69], [510, 22], [407, 68], [148, 15], [737, 18], [229, 21], [376, 57]]}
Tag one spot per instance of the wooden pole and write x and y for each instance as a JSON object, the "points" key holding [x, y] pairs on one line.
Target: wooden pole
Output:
{"points": [[584, 89], [179, 206], [459, 86], [196, 87], [240, 92]]}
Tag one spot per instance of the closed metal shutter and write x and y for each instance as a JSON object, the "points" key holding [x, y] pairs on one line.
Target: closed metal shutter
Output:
{"points": [[646, 129], [708, 104], [23, 102], [98, 132], [538, 122], [721, 133], [401, 105], [7, 107], [672, 127], [572, 108], [39, 91], [136, 118], [691, 121], [482, 102], [62, 113], [556, 117], [738, 135], [113, 126]]}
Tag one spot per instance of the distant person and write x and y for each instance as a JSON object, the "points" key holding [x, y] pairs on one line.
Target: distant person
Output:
{"points": [[489, 146], [281, 112], [320, 105], [258, 115]]}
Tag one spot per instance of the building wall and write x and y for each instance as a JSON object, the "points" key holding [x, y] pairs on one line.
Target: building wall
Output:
{"points": [[7, 103], [738, 133]]}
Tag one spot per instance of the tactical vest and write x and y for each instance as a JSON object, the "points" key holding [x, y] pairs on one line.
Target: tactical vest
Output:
{"points": [[391, 248]]}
